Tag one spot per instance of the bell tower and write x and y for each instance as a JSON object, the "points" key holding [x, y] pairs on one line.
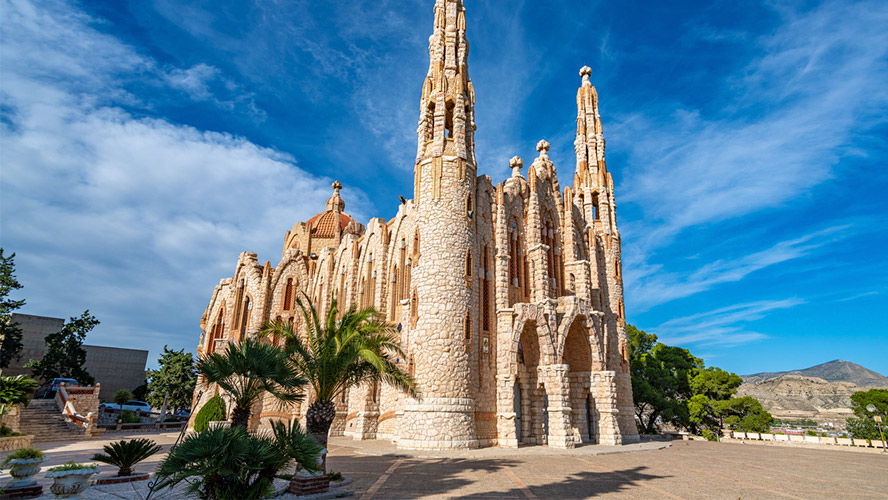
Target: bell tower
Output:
{"points": [[442, 415]]}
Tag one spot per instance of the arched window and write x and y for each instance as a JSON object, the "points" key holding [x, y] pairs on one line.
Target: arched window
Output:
{"points": [[448, 120], [469, 263], [287, 303], [595, 207], [467, 331], [470, 208]]}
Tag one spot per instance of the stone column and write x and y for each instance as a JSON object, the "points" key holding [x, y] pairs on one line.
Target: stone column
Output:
{"points": [[604, 388], [557, 386]]}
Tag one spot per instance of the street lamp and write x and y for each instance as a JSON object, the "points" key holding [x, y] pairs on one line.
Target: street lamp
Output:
{"points": [[878, 419]]}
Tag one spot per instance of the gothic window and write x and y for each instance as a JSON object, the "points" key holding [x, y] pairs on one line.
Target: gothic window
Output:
{"points": [[467, 330], [469, 263], [595, 207], [245, 314], [448, 120], [430, 122], [287, 304]]}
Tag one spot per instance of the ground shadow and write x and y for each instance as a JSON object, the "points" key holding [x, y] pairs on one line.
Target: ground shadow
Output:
{"points": [[479, 478]]}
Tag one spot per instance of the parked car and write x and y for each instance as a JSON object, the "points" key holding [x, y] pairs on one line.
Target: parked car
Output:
{"points": [[49, 388], [131, 405], [183, 413]]}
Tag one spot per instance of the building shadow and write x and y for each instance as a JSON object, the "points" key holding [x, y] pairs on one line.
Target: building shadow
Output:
{"points": [[479, 478]]}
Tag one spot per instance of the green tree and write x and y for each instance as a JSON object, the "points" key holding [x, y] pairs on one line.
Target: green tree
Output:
{"points": [[176, 379], [744, 414], [862, 425], [340, 353], [715, 383], [10, 333], [121, 397], [247, 371], [661, 377], [711, 388], [65, 355]]}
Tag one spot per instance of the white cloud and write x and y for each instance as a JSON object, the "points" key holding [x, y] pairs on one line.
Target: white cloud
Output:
{"points": [[815, 87], [134, 218], [723, 326], [817, 83], [650, 285], [194, 80]]}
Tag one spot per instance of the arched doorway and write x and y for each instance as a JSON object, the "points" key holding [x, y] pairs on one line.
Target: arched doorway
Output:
{"points": [[531, 400], [578, 357]]}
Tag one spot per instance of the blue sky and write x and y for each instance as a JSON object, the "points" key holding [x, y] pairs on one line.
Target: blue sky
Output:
{"points": [[146, 143]]}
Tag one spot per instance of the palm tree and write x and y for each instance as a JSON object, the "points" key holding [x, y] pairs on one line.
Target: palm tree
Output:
{"points": [[249, 369], [338, 354]]}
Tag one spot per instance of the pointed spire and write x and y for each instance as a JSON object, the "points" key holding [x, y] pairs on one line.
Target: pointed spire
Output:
{"points": [[447, 105], [589, 143]]}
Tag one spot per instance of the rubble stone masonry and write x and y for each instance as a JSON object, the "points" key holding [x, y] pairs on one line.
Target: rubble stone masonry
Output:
{"points": [[508, 297]]}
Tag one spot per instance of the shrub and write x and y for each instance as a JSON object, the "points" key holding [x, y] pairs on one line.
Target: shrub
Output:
{"points": [[72, 465], [212, 411], [811, 433], [231, 463], [709, 435], [23, 454], [7, 432], [121, 397], [335, 477], [128, 417], [126, 454]]}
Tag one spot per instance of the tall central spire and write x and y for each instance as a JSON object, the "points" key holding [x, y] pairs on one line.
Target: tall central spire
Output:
{"points": [[446, 116]]}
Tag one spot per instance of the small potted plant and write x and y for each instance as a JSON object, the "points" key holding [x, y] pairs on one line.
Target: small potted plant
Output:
{"points": [[23, 463], [70, 479]]}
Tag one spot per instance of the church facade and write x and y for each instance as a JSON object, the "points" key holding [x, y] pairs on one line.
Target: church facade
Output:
{"points": [[508, 296]]}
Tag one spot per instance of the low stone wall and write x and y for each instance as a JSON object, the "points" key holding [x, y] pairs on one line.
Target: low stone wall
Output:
{"points": [[144, 427], [812, 440], [12, 419], [13, 443], [84, 399]]}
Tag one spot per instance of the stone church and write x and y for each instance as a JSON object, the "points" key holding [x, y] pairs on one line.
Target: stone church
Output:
{"points": [[508, 297]]}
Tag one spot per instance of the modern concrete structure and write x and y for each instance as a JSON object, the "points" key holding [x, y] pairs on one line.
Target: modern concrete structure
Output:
{"points": [[114, 367], [509, 296]]}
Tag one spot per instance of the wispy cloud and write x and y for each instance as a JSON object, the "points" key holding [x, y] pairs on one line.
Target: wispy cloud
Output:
{"points": [[724, 326], [789, 116], [122, 214], [814, 86], [650, 285]]}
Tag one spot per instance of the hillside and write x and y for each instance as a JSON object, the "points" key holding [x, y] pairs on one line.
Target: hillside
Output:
{"points": [[794, 397], [833, 371]]}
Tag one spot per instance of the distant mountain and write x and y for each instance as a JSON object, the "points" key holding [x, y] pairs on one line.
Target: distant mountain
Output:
{"points": [[833, 371]]}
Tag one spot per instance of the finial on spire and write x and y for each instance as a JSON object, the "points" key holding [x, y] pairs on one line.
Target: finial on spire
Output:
{"points": [[543, 148], [586, 72], [335, 201], [516, 163]]}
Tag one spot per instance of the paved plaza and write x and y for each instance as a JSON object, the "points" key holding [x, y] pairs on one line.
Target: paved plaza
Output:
{"points": [[683, 469]]}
